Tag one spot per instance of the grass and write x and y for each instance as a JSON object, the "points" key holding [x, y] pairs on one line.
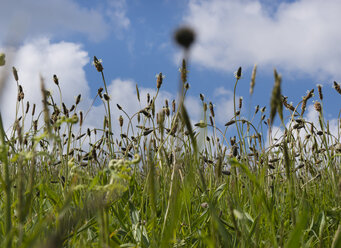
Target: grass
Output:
{"points": [[162, 184]]}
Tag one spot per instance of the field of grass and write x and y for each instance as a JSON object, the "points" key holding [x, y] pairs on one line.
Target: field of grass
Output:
{"points": [[167, 182]]}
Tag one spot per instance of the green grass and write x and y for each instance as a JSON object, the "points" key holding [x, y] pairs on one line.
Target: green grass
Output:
{"points": [[165, 185]]}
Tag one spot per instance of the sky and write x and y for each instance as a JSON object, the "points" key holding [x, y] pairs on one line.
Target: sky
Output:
{"points": [[134, 39]]}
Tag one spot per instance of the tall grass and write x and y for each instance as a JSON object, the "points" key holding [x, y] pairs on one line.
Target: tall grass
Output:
{"points": [[161, 185]]}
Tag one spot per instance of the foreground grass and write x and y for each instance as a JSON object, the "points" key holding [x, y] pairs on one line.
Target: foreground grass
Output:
{"points": [[164, 185]]}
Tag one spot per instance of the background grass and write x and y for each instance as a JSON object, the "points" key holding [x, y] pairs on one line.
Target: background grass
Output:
{"points": [[165, 182]]}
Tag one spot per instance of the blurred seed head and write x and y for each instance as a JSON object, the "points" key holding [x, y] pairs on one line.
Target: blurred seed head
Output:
{"points": [[319, 88], [253, 79], [2, 59], [185, 37], [337, 87], [78, 99], [55, 79], [317, 106], [106, 97], [120, 120], [211, 109], [159, 80], [15, 74]]}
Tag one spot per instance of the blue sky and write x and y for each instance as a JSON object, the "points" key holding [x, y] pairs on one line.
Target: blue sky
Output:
{"points": [[134, 39]]}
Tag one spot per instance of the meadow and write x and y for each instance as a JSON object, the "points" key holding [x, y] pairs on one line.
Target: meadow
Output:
{"points": [[164, 181]]}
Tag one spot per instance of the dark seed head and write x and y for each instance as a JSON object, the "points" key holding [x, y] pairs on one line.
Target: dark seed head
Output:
{"points": [[185, 37], [55, 79]]}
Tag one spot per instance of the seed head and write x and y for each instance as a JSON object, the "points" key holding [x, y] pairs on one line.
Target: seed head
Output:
{"points": [[159, 80], [173, 106], [253, 79], [319, 87], [33, 109], [185, 36], [98, 64], [27, 107], [106, 97], [78, 99], [2, 59], [15, 74], [211, 109], [202, 97], [317, 106], [120, 120], [240, 102], [80, 118], [184, 71], [238, 74], [337, 87], [55, 79]]}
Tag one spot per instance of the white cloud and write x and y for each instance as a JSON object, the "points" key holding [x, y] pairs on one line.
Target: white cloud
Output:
{"points": [[21, 18], [117, 13], [223, 105], [302, 36], [40, 57]]}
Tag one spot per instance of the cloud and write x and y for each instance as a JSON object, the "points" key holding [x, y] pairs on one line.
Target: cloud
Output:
{"points": [[223, 105], [41, 57], [117, 13], [20, 19], [301, 36]]}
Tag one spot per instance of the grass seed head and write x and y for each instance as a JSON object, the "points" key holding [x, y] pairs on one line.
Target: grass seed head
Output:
{"points": [[317, 106], [55, 79], [120, 120], [78, 99], [106, 97], [211, 109], [240, 102], [159, 80], [238, 73], [2, 59], [173, 106], [33, 109], [27, 107], [185, 37], [15, 74], [319, 88], [184, 71], [80, 118], [253, 79], [98, 64], [337, 87]]}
